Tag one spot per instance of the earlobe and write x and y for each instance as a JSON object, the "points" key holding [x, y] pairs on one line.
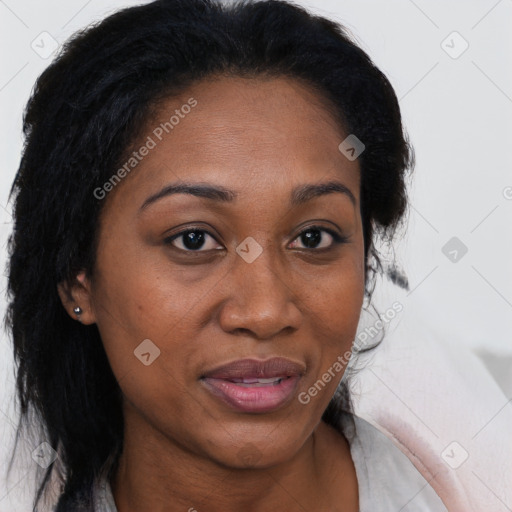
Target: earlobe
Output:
{"points": [[76, 299], [78, 311]]}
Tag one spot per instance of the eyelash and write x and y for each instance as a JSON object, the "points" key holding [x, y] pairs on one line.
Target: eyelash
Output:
{"points": [[337, 238]]}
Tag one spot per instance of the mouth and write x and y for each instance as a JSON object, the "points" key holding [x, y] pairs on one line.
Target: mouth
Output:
{"points": [[251, 385]]}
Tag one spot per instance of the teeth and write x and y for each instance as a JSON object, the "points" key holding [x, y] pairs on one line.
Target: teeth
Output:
{"points": [[262, 381], [258, 382]]}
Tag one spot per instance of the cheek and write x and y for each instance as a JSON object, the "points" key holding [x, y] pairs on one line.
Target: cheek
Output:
{"points": [[334, 297], [334, 311], [144, 330], [140, 298], [342, 305], [139, 289]]}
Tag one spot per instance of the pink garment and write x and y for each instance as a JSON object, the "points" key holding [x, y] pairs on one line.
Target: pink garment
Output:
{"points": [[441, 407]]}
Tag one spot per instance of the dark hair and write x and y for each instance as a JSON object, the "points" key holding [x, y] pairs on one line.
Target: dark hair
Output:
{"points": [[86, 109]]}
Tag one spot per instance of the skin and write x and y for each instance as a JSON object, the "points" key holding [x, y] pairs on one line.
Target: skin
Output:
{"points": [[183, 448]]}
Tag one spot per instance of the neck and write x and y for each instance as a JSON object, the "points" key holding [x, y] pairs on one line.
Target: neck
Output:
{"points": [[320, 474]]}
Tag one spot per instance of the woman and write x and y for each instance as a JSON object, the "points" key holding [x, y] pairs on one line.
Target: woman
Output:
{"points": [[195, 217]]}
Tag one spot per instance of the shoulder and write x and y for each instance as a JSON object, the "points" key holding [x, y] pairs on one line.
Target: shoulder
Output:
{"points": [[387, 479]]}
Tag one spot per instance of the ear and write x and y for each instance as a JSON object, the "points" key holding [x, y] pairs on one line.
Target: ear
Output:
{"points": [[78, 294]]}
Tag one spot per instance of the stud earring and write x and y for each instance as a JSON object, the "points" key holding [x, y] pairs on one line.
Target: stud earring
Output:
{"points": [[77, 310]]}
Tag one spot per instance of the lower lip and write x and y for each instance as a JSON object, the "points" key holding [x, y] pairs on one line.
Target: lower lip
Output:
{"points": [[253, 399]]}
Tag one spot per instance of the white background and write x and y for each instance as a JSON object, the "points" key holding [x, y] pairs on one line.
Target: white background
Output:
{"points": [[458, 113]]}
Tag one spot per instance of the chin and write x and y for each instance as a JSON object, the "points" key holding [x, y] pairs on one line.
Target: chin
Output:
{"points": [[252, 451]]}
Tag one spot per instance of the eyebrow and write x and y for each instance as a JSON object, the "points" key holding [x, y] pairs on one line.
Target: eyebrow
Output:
{"points": [[299, 195]]}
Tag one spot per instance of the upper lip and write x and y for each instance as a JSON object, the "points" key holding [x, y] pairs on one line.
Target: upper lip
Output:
{"points": [[256, 368]]}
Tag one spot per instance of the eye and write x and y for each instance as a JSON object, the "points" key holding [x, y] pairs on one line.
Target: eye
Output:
{"points": [[314, 237], [192, 240], [200, 240]]}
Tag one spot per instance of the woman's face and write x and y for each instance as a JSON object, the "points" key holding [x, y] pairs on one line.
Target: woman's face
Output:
{"points": [[258, 276]]}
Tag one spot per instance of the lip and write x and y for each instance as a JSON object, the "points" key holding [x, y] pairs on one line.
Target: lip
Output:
{"points": [[239, 385]]}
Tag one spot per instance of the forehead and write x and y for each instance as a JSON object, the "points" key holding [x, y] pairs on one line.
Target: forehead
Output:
{"points": [[250, 134]]}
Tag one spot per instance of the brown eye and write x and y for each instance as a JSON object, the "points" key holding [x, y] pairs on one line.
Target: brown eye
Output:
{"points": [[192, 240], [316, 237]]}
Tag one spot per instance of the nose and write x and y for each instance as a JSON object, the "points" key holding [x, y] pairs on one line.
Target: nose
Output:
{"points": [[260, 299]]}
